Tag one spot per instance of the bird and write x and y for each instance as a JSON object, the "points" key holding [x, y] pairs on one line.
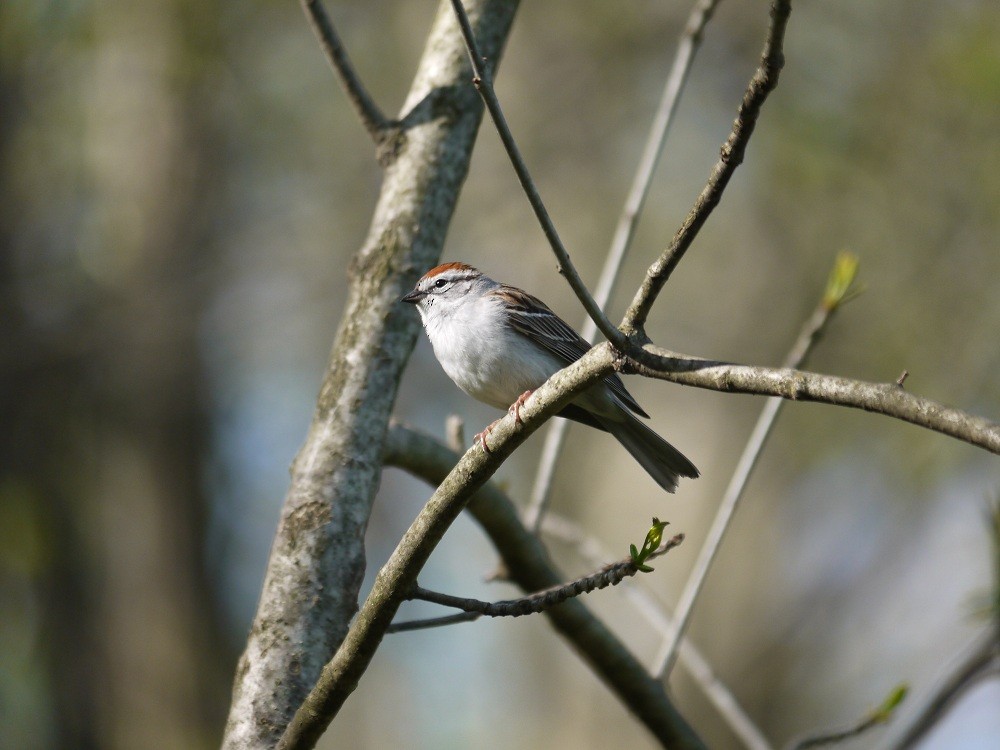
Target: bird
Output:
{"points": [[499, 343]]}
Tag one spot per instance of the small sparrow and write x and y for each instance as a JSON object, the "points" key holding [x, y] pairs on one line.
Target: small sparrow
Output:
{"points": [[499, 343]]}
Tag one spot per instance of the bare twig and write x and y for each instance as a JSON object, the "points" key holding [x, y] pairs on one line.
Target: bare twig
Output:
{"points": [[624, 232], [376, 123], [979, 660], [609, 575], [652, 610], [872, 719], [483, 81], [808, 336], [982, 661], [432, 622], [761, 85]]}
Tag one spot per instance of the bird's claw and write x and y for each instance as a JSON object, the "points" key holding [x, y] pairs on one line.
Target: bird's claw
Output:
{"points": [[481, 436], [514, 409]]}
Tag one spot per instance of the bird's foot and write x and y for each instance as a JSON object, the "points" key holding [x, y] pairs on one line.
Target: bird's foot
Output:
{"points": [[481, 436], [515, 408]]}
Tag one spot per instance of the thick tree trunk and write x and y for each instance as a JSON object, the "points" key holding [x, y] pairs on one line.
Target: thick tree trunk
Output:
{"points": [[317, 562]]}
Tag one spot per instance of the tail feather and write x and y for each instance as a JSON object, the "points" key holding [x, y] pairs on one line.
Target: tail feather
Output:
{"points": [[662, 461]]}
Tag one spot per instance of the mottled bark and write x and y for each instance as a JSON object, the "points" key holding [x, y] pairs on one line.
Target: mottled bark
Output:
{"points": [[317, 560]]}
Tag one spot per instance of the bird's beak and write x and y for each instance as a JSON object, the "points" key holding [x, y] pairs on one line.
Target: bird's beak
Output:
{"points": [[413, 297]]}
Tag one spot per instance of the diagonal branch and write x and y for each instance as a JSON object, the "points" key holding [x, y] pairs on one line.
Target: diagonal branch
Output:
{"points": [[340, 676], [837, 290], [529, 567], [376, 123], [483, 81], [625, 231], [764, 80]]}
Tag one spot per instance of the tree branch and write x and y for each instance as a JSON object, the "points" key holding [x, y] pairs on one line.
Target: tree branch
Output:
{"points": [[530, 568], [889, 399], [624, 232], [376, 123], [484, 84], [764, 80], [432, 622], [539, 601]]}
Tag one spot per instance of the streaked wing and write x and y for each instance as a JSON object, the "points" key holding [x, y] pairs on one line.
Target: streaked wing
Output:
{"points": [[531, 317]]}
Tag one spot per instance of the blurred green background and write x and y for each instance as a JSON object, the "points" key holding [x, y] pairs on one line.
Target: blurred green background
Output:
{"points": [[181, 186]]}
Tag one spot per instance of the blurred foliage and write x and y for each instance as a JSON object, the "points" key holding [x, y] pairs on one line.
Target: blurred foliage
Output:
{"points": [[181, 187]]}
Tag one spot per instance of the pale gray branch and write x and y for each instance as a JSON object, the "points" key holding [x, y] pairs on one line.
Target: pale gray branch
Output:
{"points": [[807, 338], [890, 399]]}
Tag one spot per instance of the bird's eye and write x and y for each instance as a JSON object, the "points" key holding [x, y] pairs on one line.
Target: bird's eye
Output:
{"points": [[440, 283]]}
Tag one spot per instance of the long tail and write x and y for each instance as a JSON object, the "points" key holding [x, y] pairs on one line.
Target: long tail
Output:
{"points": [[662, 461]]}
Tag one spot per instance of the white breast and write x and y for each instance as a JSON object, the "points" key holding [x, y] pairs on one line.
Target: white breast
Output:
{"points": [[486, 359]]}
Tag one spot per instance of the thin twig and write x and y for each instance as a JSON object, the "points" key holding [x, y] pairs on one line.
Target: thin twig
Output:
{"points": [[761, 85], [609, 575], [653, 611], [624, 232], [872, 719], [484, 84], [808, 336], [980, 660], [376, 123], [432, 622]]}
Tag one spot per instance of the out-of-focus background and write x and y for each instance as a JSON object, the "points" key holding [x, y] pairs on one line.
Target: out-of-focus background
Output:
{"points": [[181, 186]]}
